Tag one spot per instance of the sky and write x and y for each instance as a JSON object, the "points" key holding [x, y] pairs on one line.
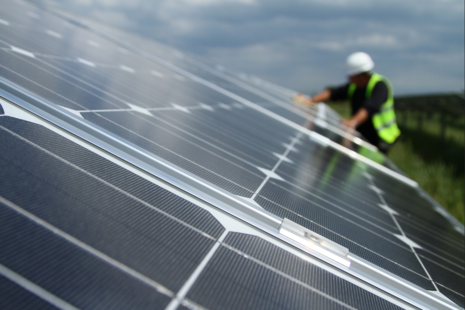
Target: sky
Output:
{"points": [[303, 44]]}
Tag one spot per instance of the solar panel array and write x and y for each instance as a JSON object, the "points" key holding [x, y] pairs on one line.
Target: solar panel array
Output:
{"points": [[137, 176]]}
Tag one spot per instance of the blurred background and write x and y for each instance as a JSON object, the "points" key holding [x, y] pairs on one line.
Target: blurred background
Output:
{"points": [[303, 44]]}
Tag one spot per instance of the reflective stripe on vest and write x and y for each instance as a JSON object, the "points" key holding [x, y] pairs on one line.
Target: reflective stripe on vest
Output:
{"points": [[385, 120]]}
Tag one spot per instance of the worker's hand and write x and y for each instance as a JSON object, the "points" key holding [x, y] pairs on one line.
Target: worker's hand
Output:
{"points": [[349, 123], [302, 99]]}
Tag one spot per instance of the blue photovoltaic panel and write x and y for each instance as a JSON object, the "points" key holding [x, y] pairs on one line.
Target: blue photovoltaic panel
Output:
{"points": [[16, 297], [231, 136], [247, 270], [69, 216]]}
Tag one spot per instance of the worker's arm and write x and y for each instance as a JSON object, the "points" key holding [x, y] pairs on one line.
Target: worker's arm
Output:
{"points": [[323, 96], [359, 118]]}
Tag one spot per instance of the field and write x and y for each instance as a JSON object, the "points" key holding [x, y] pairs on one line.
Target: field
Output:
{"points": [[436, 165]]}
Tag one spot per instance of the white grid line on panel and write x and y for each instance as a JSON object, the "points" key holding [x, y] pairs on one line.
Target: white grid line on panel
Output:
{"points": [[291, 145], [448, 269], [96, 64], [37, 84], [336, 206], [82, 61], [236, 135], [373, 205], [184, 131], [194, 276], [369, 216], [103, 99], [340, 216], [187, 159], [34, 288], [364, 247], [108, 184], [412, 247], [427, 230], [232, 134], [311, 170], [439, 251], [451, 290], [180, 296], [84, 246], [295, 280]]}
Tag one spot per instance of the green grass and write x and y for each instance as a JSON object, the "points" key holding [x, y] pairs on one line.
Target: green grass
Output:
{"points": [[431, 124], [436, 165], [439, 179]]}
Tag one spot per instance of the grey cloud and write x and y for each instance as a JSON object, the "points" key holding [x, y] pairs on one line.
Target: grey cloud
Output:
{"points": [[303, 44]]}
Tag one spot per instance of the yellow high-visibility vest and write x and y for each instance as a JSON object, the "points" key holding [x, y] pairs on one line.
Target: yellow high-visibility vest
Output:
{"points": [[385, 120]]}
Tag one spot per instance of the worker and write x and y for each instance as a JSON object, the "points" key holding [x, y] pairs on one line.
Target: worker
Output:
{"points": [[371, 97]]}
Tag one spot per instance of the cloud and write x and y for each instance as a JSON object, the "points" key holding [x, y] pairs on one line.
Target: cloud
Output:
{"points": [[379, 40], [303, 44], [216, 2]]}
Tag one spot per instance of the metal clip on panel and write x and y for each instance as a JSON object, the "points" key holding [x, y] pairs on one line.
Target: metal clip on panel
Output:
{"points": [[315, 242]]}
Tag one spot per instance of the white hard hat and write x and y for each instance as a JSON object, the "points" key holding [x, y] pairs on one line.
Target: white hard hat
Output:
{"points": [[359, 62]]}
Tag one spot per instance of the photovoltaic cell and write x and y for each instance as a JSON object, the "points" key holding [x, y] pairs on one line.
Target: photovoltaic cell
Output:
{"points": [[199, 162], [66, 197], [419, 209], [455, 282], [303, 271], [68, 272], [116, 176], [373, 248], [232, 281], [249, 266], [16, 297]]}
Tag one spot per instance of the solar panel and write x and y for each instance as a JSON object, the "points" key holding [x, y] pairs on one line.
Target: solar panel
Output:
{"points": [[134, 175]]}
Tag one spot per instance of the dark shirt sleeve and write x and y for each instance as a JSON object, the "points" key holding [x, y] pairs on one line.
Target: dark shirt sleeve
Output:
{"points": [[339, 93], [378, 97]]}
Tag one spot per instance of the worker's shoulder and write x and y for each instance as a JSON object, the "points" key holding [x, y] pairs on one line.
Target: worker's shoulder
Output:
{"points": [[381, 90], [382, 85], [381, 79]]}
